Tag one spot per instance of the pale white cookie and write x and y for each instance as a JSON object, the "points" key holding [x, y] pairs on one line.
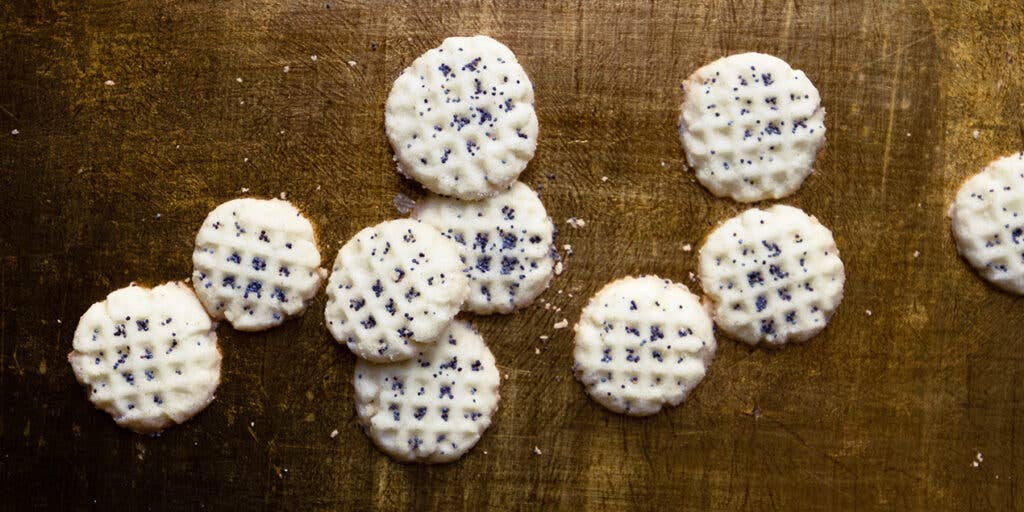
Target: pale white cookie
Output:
{"points": [[988, 222], [642, 343], [461, 118], [256, 263], [773, 275], [506, 241], [148, 357], [434, 407], [751, 126], [394, 287]]}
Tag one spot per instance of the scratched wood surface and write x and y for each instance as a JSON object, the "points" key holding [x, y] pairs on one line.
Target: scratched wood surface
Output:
{"points": [[106, 184]]}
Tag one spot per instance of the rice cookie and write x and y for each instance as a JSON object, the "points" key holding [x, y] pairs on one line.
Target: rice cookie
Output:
{"points": [[987, 217], [461, 118], [773, 275], [394, 287], [642, 343], [434, 407], [148, 357], [256, 263], [506, 242], [751, 126]]}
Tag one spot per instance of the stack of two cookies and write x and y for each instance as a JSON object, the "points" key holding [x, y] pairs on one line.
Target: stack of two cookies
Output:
{"points": [[462, 123]]}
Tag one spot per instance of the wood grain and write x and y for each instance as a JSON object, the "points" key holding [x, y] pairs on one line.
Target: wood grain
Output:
{"points": [[882, 411]]}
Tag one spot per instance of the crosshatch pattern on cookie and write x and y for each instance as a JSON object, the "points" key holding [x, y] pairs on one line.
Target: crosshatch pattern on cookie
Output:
{"points": [[256, 263], [774, 275], [461, 118], [435, 406], [988, 222], [148, 357], [394, 286], [642, 343], [506, 243], [751, 126]]}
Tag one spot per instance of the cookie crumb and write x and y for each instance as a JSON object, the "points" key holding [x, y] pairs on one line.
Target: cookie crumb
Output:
{"points": [[868, 312], [334, 433], [352, 63], [687, 247], [978, 459], [975, 134], [403, 203], [561, 325], [287, 68], [284, 195], [568, 249], [543, 337], [536, 451], [576, 223], [604, 178], [536, 351], [15, 131], [917, 253], [313, 58], [110, 83], [239, 79], [245, 189], [558, 268]]}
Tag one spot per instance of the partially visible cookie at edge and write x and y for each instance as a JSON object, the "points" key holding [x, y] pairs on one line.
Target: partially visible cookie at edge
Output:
{"points": [[987, 218]]}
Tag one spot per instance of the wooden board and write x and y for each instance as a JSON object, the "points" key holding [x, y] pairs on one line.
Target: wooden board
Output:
{"points": [[106, 184]]}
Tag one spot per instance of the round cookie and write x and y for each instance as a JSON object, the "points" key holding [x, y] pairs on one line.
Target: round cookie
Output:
{"points": [[987, 217], [461, 118], [394, 287], [506, 241], [751, 126], [773, 275], [434, 407], [642, 343], [148, 357], [256, 263]]}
